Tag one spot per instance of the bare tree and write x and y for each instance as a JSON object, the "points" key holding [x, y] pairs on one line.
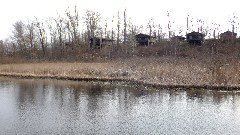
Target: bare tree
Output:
{"points": [[125, 28], [118, 28], [31, 38], [41, 36], [92, 20], [18, 36], [234, 25], [159, 33], [1, 49], [150, 25], [105, 29], [73, 25], [57, 32], [132, 31], [112, 32]]}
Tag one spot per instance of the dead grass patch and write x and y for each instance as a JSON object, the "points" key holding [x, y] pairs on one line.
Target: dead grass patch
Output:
{"points": [[164, 70]]}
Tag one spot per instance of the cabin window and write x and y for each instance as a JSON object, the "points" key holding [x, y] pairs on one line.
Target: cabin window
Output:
{"points": [[190, 37]]}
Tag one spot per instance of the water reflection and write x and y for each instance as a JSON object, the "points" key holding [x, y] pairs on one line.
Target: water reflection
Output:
{"points": [[67, 107], [216, 97]]}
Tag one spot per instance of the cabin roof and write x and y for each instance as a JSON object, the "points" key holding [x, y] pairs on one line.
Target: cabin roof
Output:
{"points": [[195, 33], [228, 33], [142, 35]]}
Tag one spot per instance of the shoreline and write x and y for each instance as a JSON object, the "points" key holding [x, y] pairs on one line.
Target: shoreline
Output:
{"points": [[163, 72], [124, 80]]}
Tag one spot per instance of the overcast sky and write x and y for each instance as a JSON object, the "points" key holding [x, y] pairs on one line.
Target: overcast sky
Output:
{"points": [[212, 11]]}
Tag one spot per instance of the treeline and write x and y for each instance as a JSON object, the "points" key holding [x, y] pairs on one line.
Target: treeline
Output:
{"points": [[66, 37]]}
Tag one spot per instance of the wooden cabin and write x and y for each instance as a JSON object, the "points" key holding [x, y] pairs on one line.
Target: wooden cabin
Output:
{"points": [[228, 36], [144, 39], [195, 38], [177, 39], [99, 42]]}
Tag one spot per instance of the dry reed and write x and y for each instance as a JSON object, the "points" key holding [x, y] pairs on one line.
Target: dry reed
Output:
{"points": [[164, 70]]}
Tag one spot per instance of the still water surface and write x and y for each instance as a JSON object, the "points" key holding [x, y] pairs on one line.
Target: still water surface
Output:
{"points": [[67, 107]]}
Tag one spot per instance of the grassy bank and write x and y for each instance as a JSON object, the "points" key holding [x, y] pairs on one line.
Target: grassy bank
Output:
{"points": [[164, 71]]}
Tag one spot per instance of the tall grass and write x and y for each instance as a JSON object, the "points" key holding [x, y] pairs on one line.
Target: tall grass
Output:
{"points": [[164, 70]]}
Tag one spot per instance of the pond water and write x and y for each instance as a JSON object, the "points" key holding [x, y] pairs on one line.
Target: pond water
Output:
{"points": [[68, 107]]}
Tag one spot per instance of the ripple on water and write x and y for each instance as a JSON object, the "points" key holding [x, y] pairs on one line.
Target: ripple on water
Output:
{"points": [[67, 107]]}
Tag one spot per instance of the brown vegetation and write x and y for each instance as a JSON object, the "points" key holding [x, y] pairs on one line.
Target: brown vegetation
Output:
{"points": [[166, 71]]}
